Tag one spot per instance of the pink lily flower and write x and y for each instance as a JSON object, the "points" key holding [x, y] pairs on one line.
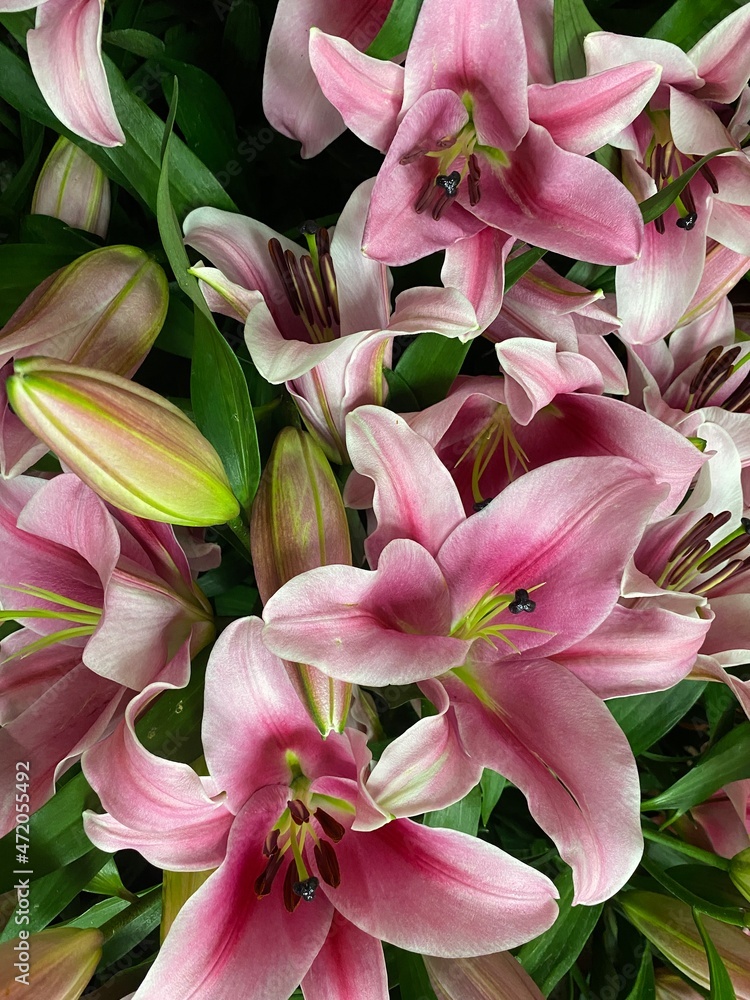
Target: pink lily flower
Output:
{"points": [[319, 322], [725, 818], [65, 52], [692, 113], [310, 875], [432, 609], [476, 437], [108, 607], [292, 99], [470, 145]]}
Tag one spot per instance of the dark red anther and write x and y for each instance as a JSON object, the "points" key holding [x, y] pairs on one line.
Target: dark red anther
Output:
{"points": [[710, 176], [298, 811], [659, 225], [271, 843], [739, 398], [731, 569], [475, 172], [330, 826], [328, 864], [425, 196], [291, 900], [708, 362], [718, 375], [725, 552], [278, 260], [706, 526], [323, 241], [264, 881]]}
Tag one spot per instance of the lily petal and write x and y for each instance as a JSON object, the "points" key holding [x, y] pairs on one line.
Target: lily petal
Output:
{"points": [[722, 58], [476, 267], [65, 52], [696, 128], [350, 964], [604, 50], [730, 225]]}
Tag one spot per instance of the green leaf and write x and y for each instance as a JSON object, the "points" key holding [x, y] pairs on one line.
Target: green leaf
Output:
{"points": [[492, 785], [218, 390], [728, 760], [518, 266], [134, 165], [99, 913], [204, 114], [393, 38], [572, 22], [644, 987], [703, 888], [140, 43], [55, 831], [720, 984], [176, 336], [429, 365], [24, 266], [107, 882], [50, 894], [645, 718], [413, 981], [548, 957], [16, 193], [462, 815], [400, 396], [133, 924], [687, 21], [658, 203], [171, 727]]}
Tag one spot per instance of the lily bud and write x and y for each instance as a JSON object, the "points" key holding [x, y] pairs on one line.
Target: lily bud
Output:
{"points": [[488, 977], [739, 871], [130, 445], [52, 965], [668, 924], [104, 310], [177, 888], [671, 987], [299, 523], [73, 188]]}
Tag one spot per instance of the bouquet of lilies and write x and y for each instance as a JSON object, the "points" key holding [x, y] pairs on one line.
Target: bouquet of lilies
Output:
{"points": [[374, 500]]}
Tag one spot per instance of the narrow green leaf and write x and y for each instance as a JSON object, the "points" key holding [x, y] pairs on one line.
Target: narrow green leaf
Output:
{"points": [[50, 894], [548, 957], [107, 882], [140, 43], [393, 38], [700, 887], [204, 114], [430, 364], [413, 981], [133, 924], [720, 984], [645, 718], [492, 785], [658, 203], [644, 987], [400, 396], [728, 760], [18, 190], [171, 727], [687, 21], [462, 815], [518, 266], [99, 913], [23, 266], [572, 22]]}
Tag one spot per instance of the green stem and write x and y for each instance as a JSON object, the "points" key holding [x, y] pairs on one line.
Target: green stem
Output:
{"points": [[705, 857], [126, 916], [241, 530]]}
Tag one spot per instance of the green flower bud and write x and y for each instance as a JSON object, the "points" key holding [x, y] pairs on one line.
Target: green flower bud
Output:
{"points": [[55, 964], [73, 188], [739, 871]]}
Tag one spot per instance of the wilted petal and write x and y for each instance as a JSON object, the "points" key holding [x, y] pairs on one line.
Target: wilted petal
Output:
{"points": [[66, 59], [579, 776]]}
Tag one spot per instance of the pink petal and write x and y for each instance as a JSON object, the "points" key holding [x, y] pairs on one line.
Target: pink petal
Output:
{"points": [[249, 694], [366, 92], [537, 20], [292, 99], [553, 527], [350, 964], [725, 828], [730, 225], [499, 976], [446, 311], [385, 627], [66, 59], [732, 172], [579, 776], [708, 668], [535, 372], [650, 301], [19, 448], [636, 650], [479, 51], [426, 768], [722, 57], [691, 343], [476, 267], [157, 806], [696, 128], [729, 638], [224, 296], [226, 943], [414, 493], [605, 50], [582, 115], [395, 233], [364, 285], [562, 201], [439, 891]]}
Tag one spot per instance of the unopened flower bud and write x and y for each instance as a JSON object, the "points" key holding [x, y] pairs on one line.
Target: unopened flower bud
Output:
{"points": [[55, 964], [130, 445], [487, 977], [668, 924], [299, 523], [73, 188], [672, 987], [739, 871]]}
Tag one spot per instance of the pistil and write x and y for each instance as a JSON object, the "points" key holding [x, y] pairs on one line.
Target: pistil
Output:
{"points": [[456, 162], [481, 621]]}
